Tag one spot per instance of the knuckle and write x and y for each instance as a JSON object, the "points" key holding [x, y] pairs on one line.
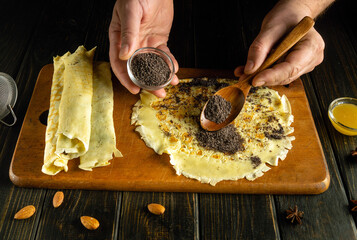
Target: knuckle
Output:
{"points": [[294, 71], [126, 35], [257, 46], [275, 78]]}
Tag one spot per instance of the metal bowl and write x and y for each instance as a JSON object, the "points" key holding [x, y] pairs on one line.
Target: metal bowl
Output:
{"points": [[8, 97]]}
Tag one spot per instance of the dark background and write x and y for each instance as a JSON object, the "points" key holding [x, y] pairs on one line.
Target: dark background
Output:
{"points": [[205, 34]]}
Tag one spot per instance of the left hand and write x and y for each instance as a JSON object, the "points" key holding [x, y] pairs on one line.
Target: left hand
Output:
{"points": [[136, 24]]}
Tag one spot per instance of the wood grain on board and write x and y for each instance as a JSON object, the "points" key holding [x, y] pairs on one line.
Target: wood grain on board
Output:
{"points": [[304, 171]]}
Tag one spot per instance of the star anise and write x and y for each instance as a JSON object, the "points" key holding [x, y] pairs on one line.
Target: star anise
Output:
{"points": [[354, 208], [354, 154], [294, 214]]}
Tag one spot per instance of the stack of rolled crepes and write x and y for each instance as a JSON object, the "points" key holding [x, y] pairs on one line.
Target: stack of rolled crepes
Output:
{"points": [[80, 120]]}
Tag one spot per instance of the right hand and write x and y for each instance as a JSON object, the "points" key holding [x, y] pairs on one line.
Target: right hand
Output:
{"points": [[136, 24], [301, 59]]}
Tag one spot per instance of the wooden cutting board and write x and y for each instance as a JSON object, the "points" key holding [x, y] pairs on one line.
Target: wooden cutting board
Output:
{"points": [[304, 171]]}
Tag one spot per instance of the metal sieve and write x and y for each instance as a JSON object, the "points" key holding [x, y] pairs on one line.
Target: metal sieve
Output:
{"points": [[8, 96]]}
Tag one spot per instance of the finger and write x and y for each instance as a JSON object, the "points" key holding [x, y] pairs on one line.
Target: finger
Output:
{"points": [[131, 16], [239, 71], [161, 93], [174, 80], [119, 69], [261, 47], [304, 57], [119, 66], [282, 73], [164, 48]]}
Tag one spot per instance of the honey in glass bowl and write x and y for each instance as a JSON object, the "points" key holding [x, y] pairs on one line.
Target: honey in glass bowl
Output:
{"points": [[343, 115]]}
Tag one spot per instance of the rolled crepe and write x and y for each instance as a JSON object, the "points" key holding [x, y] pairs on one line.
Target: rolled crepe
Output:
{"points": [[102, 143], [80, 120], [68, 124], [54, 163], [75, 109]]}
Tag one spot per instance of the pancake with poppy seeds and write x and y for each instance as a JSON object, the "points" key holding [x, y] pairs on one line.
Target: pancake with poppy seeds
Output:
{"points": [[254, 142]]}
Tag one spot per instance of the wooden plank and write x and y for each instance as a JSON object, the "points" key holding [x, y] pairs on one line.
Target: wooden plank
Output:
{"points": [[97, 34], [227, 216], [218, 36], [182, 39], [222, 32], [345, 11], [22, 229], [313, 230], [330, 80], [39, 46], [178, 221], [324, 210], [338, 78], [64, 222], [13, 44], [16, 33], [330, 205]]}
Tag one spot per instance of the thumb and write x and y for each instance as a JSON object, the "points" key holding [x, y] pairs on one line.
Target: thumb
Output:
{"points": [[260, 48], [130, 27]]}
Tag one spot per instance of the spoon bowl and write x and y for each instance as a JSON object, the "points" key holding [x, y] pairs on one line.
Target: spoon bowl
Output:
{"points": [[236, 94]]}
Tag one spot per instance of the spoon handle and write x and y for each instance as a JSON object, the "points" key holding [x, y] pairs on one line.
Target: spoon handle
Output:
{"points": [[298, 32]]}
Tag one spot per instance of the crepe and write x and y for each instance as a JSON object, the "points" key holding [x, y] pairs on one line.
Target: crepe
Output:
{"points": [[54, 163], [170, 125], [102, 144], [80, 120], [75, 109]]}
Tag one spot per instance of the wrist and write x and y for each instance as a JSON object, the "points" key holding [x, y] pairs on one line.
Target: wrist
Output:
{"points": [[310, 8]]}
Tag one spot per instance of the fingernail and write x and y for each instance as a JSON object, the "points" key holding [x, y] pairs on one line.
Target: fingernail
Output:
{"points": [[123, 51], [249, 66]]}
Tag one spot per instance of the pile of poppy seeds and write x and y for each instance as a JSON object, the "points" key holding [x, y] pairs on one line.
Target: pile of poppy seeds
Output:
{"points": [[226, 140], [150, 69], [217, 109]]}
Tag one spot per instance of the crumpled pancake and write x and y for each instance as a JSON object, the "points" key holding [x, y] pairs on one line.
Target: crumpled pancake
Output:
{"points": [[170, 126]]}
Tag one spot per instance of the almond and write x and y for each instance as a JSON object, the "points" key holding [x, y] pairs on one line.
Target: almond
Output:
{"points": [[58, 199], [89, 222], [25, 212], [156, 208]]}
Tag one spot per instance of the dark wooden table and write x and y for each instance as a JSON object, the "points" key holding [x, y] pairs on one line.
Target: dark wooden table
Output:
{"points": [[205, 34]]}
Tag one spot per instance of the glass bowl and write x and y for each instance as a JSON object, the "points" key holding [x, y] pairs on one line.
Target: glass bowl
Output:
{"points": [[342, 128], [160, 53]]}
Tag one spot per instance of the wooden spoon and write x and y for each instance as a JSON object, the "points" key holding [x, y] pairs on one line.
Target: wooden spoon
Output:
{"points": [[237, 93]]}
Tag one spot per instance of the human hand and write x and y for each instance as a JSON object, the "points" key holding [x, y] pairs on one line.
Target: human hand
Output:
{"points": [[137, 24], [302, 58]]}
